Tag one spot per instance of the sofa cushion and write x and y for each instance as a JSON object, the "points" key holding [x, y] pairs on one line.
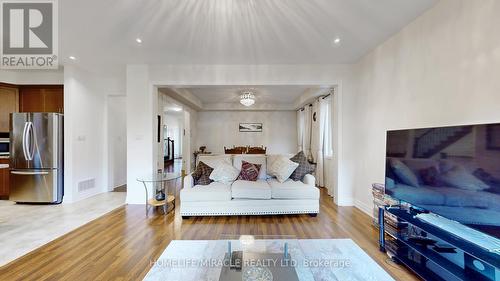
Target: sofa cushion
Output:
{"points": [[224, 172], [270, 158], [215, 191], [214, 160], [291, 189], [418, 164], [417, 195], [254, 159], [249, 171], [459, 177], [201, 175], [259, 189], [404, 173], [304, 167], [282, 168]]}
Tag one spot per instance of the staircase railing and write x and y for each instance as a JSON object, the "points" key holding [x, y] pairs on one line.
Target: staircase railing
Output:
{"points": [[436, 139], [168, 150]]}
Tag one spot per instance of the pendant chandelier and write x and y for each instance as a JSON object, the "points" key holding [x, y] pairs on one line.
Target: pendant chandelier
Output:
{"points": [[247, 98]]}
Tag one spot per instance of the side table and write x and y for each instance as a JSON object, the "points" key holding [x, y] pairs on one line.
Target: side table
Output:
{"points": [[161, 179]]}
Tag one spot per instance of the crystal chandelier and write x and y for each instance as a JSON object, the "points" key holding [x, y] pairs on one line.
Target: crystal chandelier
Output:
{"points": [[247, 98]]}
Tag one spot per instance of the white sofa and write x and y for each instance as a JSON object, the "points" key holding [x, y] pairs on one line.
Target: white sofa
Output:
{"points": [[266, 196]]}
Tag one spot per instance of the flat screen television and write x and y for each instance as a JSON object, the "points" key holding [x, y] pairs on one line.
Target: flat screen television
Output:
{"points": [[450, 171]]}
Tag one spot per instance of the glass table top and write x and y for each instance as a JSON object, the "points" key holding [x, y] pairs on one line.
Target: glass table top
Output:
{"points": [[159, 177], [266, 257]]}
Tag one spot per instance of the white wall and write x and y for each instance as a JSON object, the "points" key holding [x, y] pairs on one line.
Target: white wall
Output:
{"points": [[85, 132], [39, 77], [142, 150], [442, 69], [117, 140], [217, 129]]}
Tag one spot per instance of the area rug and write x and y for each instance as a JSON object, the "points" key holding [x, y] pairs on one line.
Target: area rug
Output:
{"points": [[318, 259]]}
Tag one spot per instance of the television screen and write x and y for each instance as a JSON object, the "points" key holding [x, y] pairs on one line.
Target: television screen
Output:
{"points": [[450, 171]]}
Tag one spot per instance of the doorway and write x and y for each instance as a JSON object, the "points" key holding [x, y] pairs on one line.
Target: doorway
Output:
{"points": [[172, 139], [117, 143]]}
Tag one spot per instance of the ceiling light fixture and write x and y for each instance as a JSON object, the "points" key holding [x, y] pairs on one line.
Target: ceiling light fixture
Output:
{"points": [[176, 109], [336, 41], [72, 58], [138, 40], [247, 98]]}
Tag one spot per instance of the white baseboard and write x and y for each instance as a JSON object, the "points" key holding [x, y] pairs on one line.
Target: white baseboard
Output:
{"points": [[344, 202], [366, 208]]}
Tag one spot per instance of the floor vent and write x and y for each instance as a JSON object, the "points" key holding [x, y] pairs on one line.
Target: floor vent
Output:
{"points": [[86, 185]]}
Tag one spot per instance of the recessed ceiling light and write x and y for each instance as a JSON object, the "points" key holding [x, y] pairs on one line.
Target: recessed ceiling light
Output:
{"points": [[176, 108], [336, 41], [72, 57], [138, 40]]}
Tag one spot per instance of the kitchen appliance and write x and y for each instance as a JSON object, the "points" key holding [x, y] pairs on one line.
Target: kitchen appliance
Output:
{"points": [[4, 147], [36, 158]]}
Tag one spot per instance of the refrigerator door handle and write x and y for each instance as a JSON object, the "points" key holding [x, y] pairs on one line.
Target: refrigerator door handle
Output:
{"points": [[30, 143], [24, 140], [28, 173]]}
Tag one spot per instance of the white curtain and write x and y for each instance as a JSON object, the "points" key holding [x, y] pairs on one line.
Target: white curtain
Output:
{"points": [[318, 133], [300, 130], [314, 135], [306, 133]]}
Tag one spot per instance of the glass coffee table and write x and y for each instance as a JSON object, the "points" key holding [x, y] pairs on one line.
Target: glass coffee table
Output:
{"points": [[262, 258]]}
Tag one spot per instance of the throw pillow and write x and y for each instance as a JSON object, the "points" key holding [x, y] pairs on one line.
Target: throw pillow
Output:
{"points": [[201, 175], [304, 167], [446, 165], [282, 168], [249, 171], [404, 173], [224, 173], [459, 177], [430, 176], [486, 177]]}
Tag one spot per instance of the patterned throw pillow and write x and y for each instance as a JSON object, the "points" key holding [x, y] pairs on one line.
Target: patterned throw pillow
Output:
{"points": [[304, 167], [202, 173], [249, 171], [430, 176]]}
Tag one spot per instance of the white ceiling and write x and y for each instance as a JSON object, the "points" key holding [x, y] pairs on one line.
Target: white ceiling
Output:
{"points": [[172, 108], [101, 33], [263, 94]]}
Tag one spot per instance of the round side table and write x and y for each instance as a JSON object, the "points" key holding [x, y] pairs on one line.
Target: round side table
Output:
{"points": [[161, 179]]}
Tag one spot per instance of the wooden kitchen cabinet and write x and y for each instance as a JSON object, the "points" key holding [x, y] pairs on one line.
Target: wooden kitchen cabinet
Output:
{"points": [[8, 104], [4, 180], [43, 98]]}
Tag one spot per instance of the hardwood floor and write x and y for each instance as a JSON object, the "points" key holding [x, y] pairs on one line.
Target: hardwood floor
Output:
{"points": [[123, 244]]}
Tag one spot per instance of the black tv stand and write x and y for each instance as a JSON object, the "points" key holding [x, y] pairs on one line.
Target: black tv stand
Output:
{"points": [[432, 253]]}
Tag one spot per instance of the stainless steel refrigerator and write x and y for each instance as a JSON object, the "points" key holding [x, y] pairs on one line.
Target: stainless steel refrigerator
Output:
{"points": [[36, 158]]}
